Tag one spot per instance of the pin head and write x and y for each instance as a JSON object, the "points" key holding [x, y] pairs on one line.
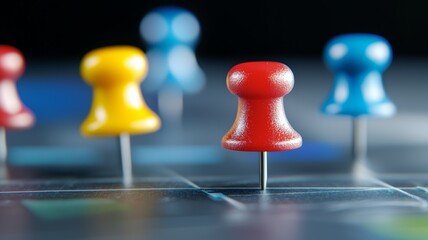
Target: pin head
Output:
{"points": [[13, 113], [169, 26], [358, 61], [118, 106], [12, 63], [114, 65], [171, 34], [260, 80], [354, 53], [261, 124]]}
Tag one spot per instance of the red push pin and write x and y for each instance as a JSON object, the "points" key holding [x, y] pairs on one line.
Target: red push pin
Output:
{"points": [[13, 114], [261, 124]]}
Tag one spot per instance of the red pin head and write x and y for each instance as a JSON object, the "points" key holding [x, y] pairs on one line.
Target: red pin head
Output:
{"points": [[261, 124], [13, 114], [12, 63]]}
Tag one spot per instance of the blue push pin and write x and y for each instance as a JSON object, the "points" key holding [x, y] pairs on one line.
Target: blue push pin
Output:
{"points": [[171, 35], [358, 61]]}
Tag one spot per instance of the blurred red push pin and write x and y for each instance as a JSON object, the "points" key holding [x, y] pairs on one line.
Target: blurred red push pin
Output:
{"points": [[13, 114], [261, 124]]}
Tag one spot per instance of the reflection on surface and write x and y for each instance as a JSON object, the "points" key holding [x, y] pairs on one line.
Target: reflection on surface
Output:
{"points": [[404, 227], [71, 208], [175, 206]]}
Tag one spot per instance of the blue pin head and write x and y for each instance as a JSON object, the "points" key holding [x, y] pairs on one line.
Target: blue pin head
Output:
{"points": [[358, 61], [171, 34], [168, 26]]}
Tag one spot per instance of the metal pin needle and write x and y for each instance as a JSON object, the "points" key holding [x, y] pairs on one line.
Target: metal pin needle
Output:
{"points": [[170, 102], [125, 154], [3, 145], [263, 175], [359, 142]]}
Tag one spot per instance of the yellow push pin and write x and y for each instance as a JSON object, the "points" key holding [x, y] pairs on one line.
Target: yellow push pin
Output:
{"points": [[118, 107]]}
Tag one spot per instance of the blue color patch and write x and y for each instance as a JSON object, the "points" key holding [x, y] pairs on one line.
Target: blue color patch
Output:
{"points": [[63, 98], [181, 155], [54, 157], [71, 208], [216, 196]]}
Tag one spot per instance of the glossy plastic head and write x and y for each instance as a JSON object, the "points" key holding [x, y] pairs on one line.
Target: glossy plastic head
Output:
{"points": [[260, 80], [12, 63], [169, 26], [13, 113], [117, 105], [114, 65], [261, 124], [171, 34], [358, 61]]}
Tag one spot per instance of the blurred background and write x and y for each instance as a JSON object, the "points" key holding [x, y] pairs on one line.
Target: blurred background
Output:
{"points": [[68, 29]]}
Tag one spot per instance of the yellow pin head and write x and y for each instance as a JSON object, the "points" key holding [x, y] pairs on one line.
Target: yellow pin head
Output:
{"points": [[118, 105], [113, 65]]}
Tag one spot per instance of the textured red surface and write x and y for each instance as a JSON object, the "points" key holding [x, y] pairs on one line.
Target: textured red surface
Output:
{"points": [[13, 114], [261, 124]]}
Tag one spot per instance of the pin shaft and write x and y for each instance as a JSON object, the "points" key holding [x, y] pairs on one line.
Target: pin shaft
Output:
{"points": [[263, 175], [170, 103], [125, 154], [3, 145], [359, 141]]}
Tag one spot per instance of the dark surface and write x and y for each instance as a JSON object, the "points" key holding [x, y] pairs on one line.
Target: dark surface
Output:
{"points": [[335, 207]]}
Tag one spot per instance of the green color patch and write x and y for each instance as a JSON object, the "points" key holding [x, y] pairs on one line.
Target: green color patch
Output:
{"points": [[71, 208]]}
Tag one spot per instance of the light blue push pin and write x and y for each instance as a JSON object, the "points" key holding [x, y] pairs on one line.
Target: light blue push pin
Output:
{"points": [[171, 35], [358, 61]]}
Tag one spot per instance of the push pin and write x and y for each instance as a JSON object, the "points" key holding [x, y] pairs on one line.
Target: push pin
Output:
{"points": [[171, 35], [13, 114], [261, 125], [358, 61], [118, 107]]}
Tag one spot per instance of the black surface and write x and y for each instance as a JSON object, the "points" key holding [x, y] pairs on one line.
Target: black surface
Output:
{"points": [[151, 209]]}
